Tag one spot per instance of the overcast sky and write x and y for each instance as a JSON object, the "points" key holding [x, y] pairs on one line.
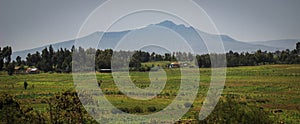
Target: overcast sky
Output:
{"points": [[28, 24]]}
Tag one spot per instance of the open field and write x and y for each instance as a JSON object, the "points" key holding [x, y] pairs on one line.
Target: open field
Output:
{"points": [[274, 88]]}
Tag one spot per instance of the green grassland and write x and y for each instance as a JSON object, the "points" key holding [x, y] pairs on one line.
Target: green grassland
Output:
{"points": [[270, 87]]}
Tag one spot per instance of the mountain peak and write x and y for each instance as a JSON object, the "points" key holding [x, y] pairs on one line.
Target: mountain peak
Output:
{"points": [[172, 25], [111, 39], [167, 23]]}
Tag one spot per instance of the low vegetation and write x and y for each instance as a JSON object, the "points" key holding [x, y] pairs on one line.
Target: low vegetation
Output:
{"points": [[258, 94], [260, 87]]}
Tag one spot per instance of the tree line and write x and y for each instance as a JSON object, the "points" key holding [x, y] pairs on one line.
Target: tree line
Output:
{"points": [[60, 60]]}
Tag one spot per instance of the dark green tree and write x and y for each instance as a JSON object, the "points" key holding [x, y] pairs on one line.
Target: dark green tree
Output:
{"points": [[29, 60], [1, 59], [46, 60], [19, 60], [11, 112], [152, 56], [6, 53], [298, 48], [167, 57], [67, 108], [10, 68], [51, 57], [136, 63], [230, 111]]}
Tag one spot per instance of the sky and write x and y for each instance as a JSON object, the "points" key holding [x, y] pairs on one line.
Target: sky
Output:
{"points": [[26, 24]]}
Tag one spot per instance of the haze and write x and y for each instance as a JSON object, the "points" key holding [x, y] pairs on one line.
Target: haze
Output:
{"points": [[30, 23]]}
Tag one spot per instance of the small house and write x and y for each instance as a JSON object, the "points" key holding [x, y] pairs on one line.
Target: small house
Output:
{"points": [[105, 70], [18, 70], [32, 71], [174, 65]]}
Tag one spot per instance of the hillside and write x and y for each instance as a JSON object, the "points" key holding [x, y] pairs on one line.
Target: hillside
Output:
{"points": [[110, 40]]}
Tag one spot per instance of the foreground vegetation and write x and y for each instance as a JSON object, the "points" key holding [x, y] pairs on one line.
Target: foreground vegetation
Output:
{"points": [[257, 94]]}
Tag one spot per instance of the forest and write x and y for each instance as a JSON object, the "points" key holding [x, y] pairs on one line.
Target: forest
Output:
{"points": [[60, 60]]}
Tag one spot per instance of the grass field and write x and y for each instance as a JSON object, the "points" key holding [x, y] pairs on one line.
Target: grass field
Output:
{"points": [[271, 87]]}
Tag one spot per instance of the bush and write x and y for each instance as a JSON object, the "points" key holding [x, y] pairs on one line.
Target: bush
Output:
{"points": [[11, 112], [151, 109], [67, 108], [126, 110], [231, 111], [138, 109], [10, 68]]}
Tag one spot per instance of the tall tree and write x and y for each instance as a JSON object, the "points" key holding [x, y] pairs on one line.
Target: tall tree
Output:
{"points": [[152, 56], [10, 68], [1, 59], [298, 48], [6, 52], [28, 60], [45, 63], [167, 57], [51, 58], [19, 60]]}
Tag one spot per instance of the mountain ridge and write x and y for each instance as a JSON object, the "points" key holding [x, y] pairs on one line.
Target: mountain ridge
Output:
{"points": [[110, 39]]}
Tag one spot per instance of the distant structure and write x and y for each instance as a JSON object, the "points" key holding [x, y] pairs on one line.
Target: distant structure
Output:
{"points": [[174, 65], [105, 70], [32, 71], [19, 70]]}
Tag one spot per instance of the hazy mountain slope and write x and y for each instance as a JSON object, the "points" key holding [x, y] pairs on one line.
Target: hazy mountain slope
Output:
{"points": [[23, 54], [280, 44], [110, 40]]}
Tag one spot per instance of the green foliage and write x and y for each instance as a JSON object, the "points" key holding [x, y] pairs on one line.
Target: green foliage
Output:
{"points": [[49, 60], [271, 87], [298, 48], [137, 109], [10, 68], [34, 59], [19, 60], [1, 59], [6, 53], [63, 108], [151, 109], [11, 112], [61, 60], [67, 108], [247, 59], [230, 111]]}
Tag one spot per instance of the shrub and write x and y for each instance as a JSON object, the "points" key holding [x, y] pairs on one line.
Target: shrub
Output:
{"points": [[11, 112], [67, 108], [230, 111], [10, 68], [138, 109], [126, 110], [151, 109]]}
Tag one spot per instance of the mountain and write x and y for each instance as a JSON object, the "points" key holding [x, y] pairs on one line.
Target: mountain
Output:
{"points": [[229, 43], [163, 33], [23, 53], [280, 44]]}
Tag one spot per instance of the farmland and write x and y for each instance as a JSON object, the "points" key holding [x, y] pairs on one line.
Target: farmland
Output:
{"points": [[273, 88]]}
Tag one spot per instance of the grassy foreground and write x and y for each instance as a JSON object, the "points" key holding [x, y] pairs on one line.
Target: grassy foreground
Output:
{"points": [[273, 88]]}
